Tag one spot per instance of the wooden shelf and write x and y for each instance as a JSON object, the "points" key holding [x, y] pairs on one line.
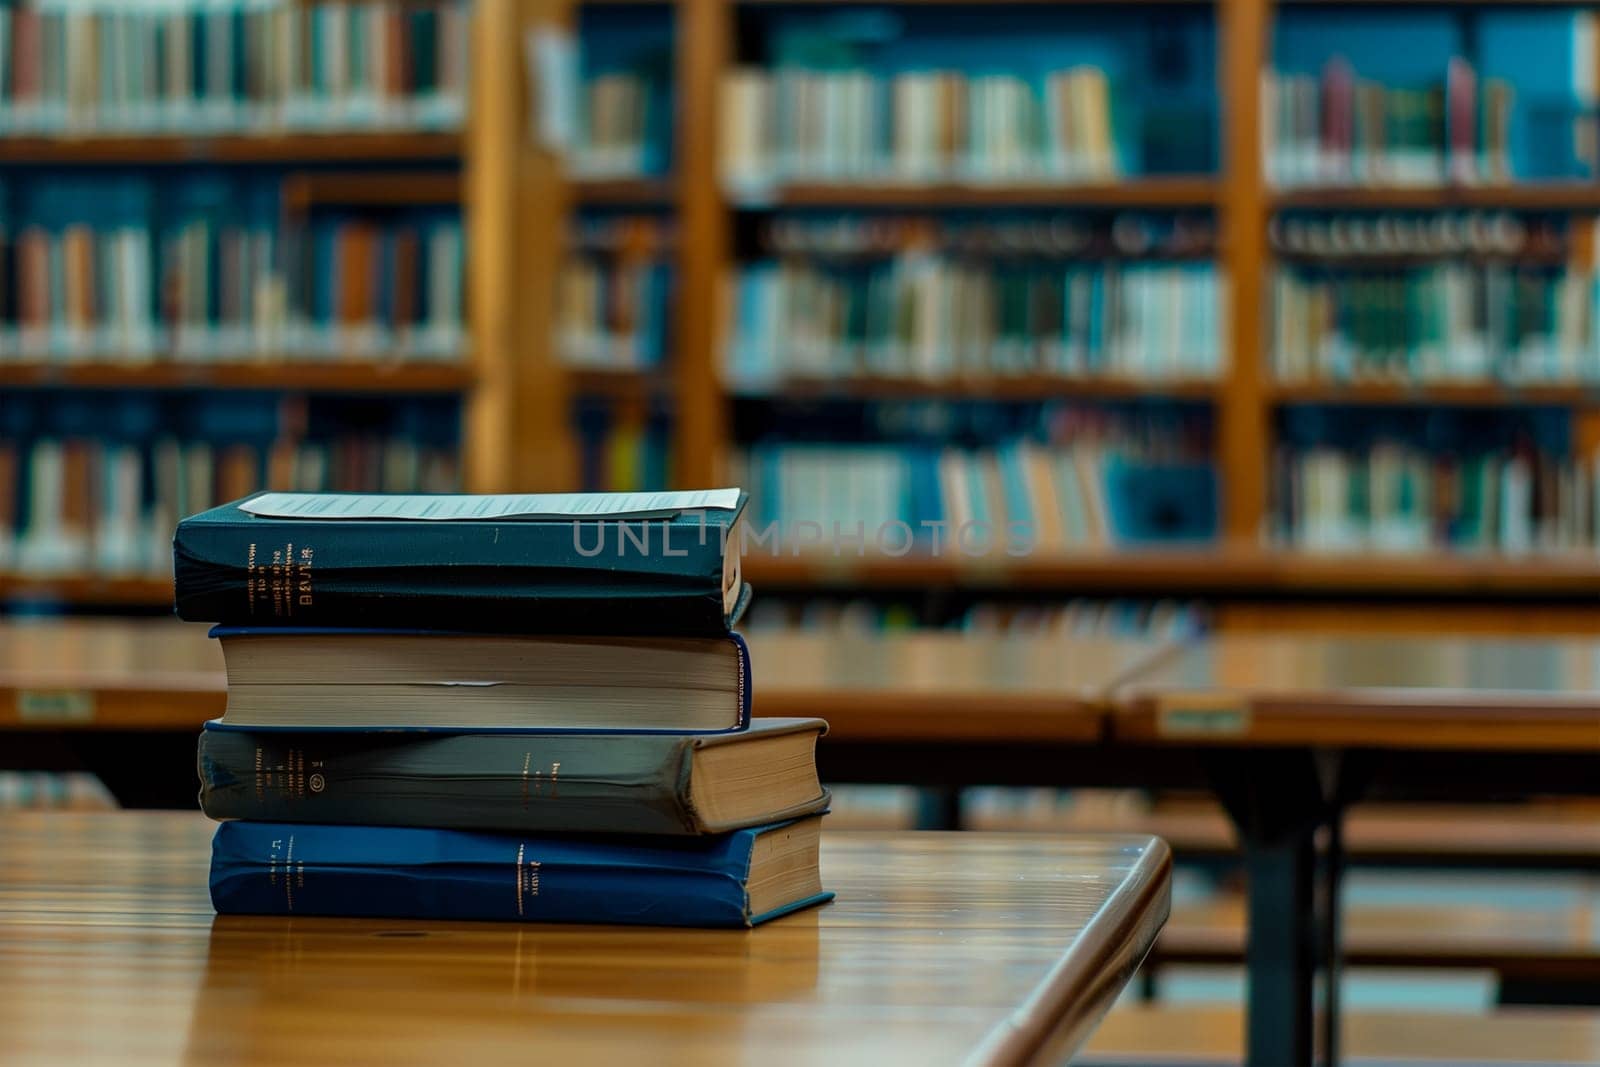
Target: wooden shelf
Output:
{"points": [[1019, 388], [1459, 394], [1197, 572], [340, 377], [302, 192], [88, 589], [1139, 192], [262, 148], [1000, 3], [640, 192], [1224, 572], [1529, 196], [1405, 260]]}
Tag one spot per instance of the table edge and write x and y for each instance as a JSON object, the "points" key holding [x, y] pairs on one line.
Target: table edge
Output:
{"points": [[1077, 991]]}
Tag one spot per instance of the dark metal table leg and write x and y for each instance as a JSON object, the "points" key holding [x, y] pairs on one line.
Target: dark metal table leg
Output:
{"points": [[939, 808], [1276, 801], [1281, 953], [1332, 934]]}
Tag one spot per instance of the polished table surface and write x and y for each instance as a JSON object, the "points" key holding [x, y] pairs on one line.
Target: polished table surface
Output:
{"points": [[1508, 694], [941, 948], [937, 686], [163, 674]]}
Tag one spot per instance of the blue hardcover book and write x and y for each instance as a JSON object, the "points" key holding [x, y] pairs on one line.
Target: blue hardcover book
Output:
{"points": [[736, 880]]}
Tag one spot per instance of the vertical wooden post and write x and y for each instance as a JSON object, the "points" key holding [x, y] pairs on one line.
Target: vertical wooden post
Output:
{"points": [[705, 40], [517, 425], [1244, 440], [1582, 258]]}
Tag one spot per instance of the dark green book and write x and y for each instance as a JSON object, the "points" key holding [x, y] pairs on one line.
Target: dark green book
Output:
{"points": [[596, 563], [609, 783]]}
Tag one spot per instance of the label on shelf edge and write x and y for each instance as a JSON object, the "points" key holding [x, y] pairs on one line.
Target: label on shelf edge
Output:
{"points": [[55, 705], [1202, 715]]}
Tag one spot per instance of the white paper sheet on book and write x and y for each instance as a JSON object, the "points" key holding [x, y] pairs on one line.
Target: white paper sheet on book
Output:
{"points": [[443, 508]]}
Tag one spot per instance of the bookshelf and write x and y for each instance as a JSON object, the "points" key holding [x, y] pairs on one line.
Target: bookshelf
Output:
{"points": [[1141, 192], [519, 194], [279, 376]]}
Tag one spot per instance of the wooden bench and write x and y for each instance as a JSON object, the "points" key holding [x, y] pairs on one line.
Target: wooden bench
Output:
{"points": [[1526, 947], [1147, 1035], [1557, 833]]}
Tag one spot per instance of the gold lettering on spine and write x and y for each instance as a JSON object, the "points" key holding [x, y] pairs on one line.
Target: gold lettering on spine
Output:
{"points": [[517, 870], [287, 581], [527, 873], [302, 578], [288, 867], [538, 778], [252, 579]]}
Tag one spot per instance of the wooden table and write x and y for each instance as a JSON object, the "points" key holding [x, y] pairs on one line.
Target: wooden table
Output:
{"points": [[1292, 729], [106, 691], [159, 674], [1286, 731], [1390, 692], [946, 687], [941, 948]]}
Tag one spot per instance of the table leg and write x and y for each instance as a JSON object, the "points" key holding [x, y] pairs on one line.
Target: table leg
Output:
{"points": [[939, 808], [1332, 934], [1277, 803], [1280, 954]]}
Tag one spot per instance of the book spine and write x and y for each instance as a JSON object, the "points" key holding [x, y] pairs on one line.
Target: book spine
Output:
{"points": [[511, 783], [407, 873], [509, 577]]}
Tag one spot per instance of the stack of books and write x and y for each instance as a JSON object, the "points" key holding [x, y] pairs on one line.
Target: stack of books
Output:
{"points": [[475, 764]]}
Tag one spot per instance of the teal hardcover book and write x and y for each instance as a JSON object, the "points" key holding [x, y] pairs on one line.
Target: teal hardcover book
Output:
{"points": [[738, 879], [593, 563]]}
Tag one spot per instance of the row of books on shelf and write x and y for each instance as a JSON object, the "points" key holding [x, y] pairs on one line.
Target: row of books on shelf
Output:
{"points": [[1338, 129], [1456, 321], [134, 270], [622, 448], [1078, 617], [1005, 809], [84, 503], [206, 67], [623, 127], [932, 317], [918, 126], [50, 791], [1100, 485], [1001, 235], [613, 312], [1397, 496], [1397, 236]]}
